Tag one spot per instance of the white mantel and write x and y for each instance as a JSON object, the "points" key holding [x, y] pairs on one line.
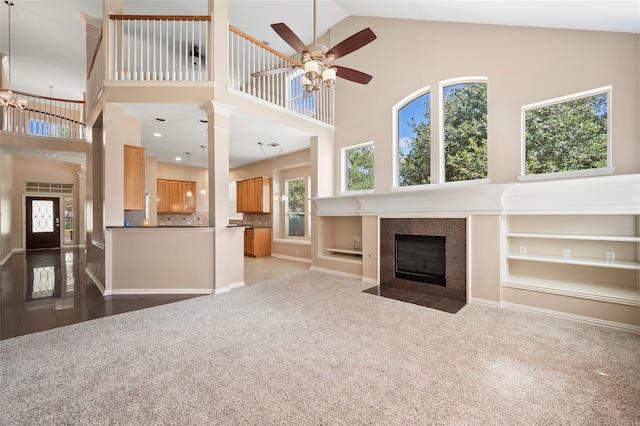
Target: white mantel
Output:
{"points": [[618, 194]]}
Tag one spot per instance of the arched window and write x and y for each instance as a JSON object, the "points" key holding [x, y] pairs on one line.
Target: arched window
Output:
{"points": [[413, 139], [464, 128]]}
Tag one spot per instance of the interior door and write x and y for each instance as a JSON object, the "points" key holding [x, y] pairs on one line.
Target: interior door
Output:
{"points": [[43, 223]]}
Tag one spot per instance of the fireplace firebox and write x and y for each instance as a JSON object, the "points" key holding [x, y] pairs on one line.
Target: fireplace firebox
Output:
{"points": [[420, 258]]}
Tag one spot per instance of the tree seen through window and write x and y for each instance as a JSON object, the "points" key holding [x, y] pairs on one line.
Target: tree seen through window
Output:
{"points": [[567, 136]]}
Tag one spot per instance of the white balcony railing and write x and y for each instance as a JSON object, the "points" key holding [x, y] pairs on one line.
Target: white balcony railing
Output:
{"points": [[159, 48], [44, 116], [247, 55]]}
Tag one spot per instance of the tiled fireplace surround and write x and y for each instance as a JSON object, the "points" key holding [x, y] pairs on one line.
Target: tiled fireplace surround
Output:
{"points": [[455, 232]]}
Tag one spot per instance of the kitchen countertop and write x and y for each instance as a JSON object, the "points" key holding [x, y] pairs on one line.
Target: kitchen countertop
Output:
{"points": [[157, 227]]}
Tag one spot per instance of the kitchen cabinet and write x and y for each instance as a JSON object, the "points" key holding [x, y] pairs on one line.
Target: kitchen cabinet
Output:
{"points": [[172, 196], [254, 195], [163, 195], [257, 242], [134, 194]]}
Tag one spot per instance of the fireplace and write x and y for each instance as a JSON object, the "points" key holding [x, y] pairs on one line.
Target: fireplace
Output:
{"points": [[420, 258], [442, 272]]}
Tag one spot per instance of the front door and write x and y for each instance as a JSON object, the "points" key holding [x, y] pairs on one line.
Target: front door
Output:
{"points": [[43, 222]]}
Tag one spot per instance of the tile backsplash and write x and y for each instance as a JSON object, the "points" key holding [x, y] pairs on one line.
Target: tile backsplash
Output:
{"points": [[183, 219], [257, 219]]}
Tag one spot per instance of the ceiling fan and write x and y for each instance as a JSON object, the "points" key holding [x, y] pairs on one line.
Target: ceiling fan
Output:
{"points": [[320, 73]]}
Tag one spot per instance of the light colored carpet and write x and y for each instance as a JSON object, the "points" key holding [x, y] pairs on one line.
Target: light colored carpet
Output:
{"points": [[312, 349]]}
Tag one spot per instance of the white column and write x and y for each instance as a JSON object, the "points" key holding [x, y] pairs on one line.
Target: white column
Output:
{"points": [[226, 263]]}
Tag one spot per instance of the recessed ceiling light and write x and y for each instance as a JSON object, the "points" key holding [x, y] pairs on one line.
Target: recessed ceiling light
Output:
{"points": [[157, 135], [160, 119], [178, 158]]}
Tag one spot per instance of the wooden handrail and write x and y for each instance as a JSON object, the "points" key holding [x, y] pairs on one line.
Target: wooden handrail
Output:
{"points": [[264, 46], [17, 92], [95, 54], [54, 115], [160, 18]]}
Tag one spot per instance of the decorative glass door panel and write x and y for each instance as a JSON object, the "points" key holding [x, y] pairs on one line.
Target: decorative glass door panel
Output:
{"points": [[42, 216]]}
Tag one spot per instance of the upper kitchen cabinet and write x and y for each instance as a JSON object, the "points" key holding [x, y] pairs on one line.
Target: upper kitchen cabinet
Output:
{"points": [[134, 194], [254, 195], [172, 196], [163, 195]]}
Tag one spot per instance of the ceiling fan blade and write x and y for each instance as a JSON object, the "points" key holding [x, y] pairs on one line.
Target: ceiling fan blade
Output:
{"points": [[352, 75], [289, 36], [352, 43], [272, 71]]}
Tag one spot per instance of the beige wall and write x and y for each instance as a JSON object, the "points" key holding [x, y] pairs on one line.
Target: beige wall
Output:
{"points": [[523, 65], [142, 256], [484, 252]]}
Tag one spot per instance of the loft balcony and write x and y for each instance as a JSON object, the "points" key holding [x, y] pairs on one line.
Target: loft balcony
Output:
{"points": [[175, 51]]}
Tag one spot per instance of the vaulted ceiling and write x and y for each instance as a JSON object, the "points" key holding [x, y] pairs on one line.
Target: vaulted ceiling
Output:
{"points": [[47, 39]]}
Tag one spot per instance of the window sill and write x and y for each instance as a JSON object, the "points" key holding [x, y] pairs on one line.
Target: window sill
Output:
{"points": [[605, 171], [435, 186], [293, 241], [362, 191]]}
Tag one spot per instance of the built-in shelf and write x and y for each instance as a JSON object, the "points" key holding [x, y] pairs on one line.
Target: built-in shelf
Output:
{"points": [[565, 255], [336, 250], [621, 238], [583, 261]]}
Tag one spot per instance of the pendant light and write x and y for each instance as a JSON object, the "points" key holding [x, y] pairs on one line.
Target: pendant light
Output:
{"points": [[8, 99], [202, 190], [189, 193]]}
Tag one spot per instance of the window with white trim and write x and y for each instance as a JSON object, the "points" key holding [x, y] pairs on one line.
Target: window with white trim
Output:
{"points": [[357, 167], [567, 134], [296, 207], [413, 140], [464, 128]]}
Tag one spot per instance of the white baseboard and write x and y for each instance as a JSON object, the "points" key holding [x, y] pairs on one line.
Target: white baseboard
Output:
{"points": [[485, 302], [296, 259], [373, 281], [96, 281], [236, 285], [331, 271], [150, 291], [589, 320], [220, 290], [3, 261]]}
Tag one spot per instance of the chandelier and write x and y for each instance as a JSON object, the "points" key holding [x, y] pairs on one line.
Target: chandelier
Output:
{"points": [[7, 99]]}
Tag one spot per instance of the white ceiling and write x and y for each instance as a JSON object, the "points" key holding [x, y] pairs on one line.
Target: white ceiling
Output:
{"points": [[47, 43]]}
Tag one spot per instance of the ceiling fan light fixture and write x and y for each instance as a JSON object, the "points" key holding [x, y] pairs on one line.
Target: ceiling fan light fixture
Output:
{"points": [[329, 77], [311, 69]]}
